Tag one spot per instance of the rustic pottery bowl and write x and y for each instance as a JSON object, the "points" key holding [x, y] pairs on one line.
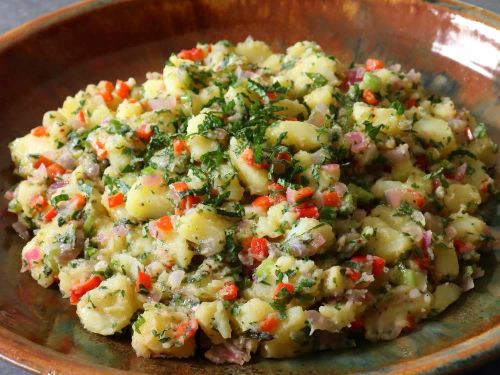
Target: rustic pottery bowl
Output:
{"points": [[457, 47]]}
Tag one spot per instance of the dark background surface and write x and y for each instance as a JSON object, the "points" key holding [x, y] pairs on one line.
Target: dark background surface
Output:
{"points": [[15, 12]]}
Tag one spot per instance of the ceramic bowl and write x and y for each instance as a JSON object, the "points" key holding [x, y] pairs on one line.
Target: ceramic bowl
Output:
{"points": [[457, 47]]}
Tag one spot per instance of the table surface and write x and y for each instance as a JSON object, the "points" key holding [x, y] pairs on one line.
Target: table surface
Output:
{"points": [[20, 11]]}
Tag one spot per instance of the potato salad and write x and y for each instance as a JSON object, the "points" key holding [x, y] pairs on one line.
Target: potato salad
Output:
{"points": [[245, 202]]}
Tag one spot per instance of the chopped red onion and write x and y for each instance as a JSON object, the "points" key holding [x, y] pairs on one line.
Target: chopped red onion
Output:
{"points": [[9, 195], [394, 196], [67, 161], [467, 284], [120, 230], [318, 321], [457, 125], [316, 118], [450, 232], [355, 75], [398, 154], [21, 230], [175, 278], [357, 141], [427, 239], [340, 188], [159, 104], [31, 256], [460, 172], [290, 195], [227, 353], [151, 180]]}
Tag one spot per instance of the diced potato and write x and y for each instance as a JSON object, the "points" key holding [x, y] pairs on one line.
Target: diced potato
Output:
{"points": [[153, 88], [198, 144], [284, 343], [334, 282], [307, 67], [205, 228], [485, 150], [22, 148], [460, 197], [436, 132], [445, 109], [469, 229], [176, 80], [291, 108], [252, 312], [445, 263], [444, 295], [341, 314], [178, 248], [308, 232], [127, 265], [278, 219], [299, 135], [208, 93], [387, 117], [253, 178], [273, 62], [148, 202], [387, 320], [109, 307], [227, 181], [127, 110], [75, 272], [255, 51], [155, 332], [321, 95], [388, 242], [25, 192], [214, 321]]}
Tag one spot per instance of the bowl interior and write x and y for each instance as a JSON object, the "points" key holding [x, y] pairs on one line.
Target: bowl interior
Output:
{"points": [[457, 48]]}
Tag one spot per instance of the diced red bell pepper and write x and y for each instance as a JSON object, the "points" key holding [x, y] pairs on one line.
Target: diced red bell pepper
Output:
{"points": [[144, 132], [39, 131], [289, 287], [263, 202], [259, 249], [369, 97], [230, 291], [39, 203], [353, 274], [78, 290], [143, 281], [164, 224], [122, 89], [269, 324], [187, 329], [248, 157], [410, 102], [51, 213], [374, 64], [311, 212], [378, 265], [42, 160], [194, 54], [180, 146], [116, 199], [179, 186], [55, 170], [77, 201], [331, 199]]}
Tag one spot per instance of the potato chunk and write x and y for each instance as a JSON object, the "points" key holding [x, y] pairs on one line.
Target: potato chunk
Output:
{"points": [[299, 135], [148, 202], [164, 331], [108, 308]]}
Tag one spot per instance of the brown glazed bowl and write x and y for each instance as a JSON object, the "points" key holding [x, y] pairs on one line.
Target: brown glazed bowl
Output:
{"points": [[457, 47]]}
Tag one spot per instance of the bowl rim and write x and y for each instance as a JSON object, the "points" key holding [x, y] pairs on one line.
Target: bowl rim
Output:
{"points": [[37, 358]]}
